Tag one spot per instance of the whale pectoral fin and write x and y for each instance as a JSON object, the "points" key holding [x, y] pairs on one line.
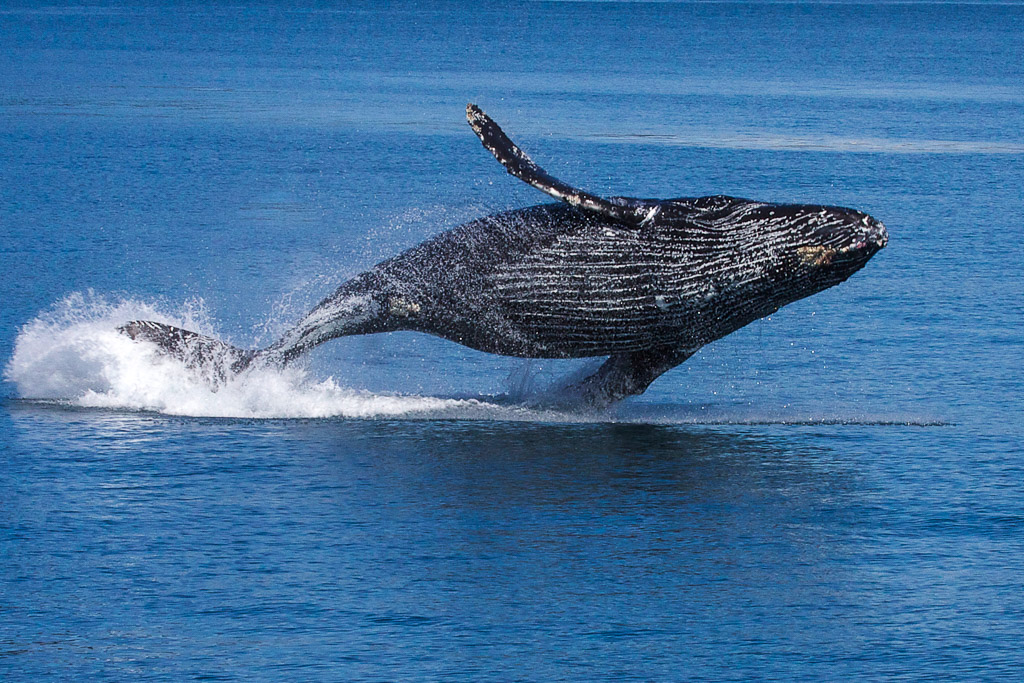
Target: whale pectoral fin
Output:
{"points": [[518, 164], [623, 375], [195, 350]]}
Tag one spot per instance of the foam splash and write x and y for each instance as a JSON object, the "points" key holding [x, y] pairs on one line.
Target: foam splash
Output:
{"points": [[73, 354]]}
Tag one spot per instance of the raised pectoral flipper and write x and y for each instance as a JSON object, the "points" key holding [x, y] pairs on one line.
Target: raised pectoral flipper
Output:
{"points": [[621, 376], [518, 164]]}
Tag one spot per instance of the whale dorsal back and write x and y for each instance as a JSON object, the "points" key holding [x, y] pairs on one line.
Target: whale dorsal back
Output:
{"points": [[517, 163]]}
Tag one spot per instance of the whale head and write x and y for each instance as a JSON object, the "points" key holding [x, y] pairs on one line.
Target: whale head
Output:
{"points": [[798, 250], [822, 246], [742, 260]]}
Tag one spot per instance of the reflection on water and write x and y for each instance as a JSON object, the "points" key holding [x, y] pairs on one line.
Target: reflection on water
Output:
{"points": [[390, 539]]}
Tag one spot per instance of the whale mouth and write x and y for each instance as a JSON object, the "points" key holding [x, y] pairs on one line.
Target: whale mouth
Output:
{"points": [[864, 238], [877, 236], [852, 244], [869, 245]]}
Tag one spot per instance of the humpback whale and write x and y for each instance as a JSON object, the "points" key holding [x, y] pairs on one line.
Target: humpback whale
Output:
{"points": [[645, 282]]}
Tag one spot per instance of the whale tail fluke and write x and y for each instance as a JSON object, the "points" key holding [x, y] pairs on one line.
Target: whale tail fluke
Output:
{"points": [[217, 360]]}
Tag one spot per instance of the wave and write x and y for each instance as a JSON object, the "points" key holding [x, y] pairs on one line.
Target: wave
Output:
{"points": [[812, 143]]}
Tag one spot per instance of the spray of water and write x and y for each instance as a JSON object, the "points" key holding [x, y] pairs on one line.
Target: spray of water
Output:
{"points": [[74, 354]]}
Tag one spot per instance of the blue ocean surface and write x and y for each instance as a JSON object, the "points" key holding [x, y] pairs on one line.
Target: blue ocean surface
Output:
{"points": [[836, 491]]}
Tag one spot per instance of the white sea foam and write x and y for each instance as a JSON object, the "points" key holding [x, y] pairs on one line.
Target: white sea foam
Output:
{"points": [[74, 354]]}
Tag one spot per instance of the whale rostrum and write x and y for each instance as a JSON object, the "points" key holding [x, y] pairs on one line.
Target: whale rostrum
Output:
{"points": [[645, 282]]}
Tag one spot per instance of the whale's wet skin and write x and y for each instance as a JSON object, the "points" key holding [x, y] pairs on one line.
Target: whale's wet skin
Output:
{"points": [[645, 282]]}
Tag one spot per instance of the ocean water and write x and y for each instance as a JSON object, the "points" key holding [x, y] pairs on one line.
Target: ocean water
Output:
{"points": [[836, 491]]}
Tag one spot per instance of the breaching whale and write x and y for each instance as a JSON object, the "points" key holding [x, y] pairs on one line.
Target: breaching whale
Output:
{"points": [[645, 282]]}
